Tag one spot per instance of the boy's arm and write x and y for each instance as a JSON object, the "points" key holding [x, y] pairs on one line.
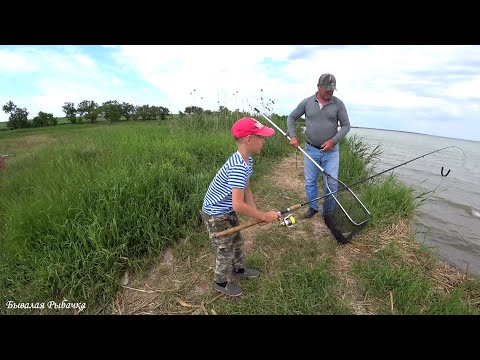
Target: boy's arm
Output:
{"points": [[249, 196], [242, 207]]}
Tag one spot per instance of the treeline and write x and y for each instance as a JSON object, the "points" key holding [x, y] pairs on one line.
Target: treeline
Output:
{"points": [[87, 110], [111, 111]]}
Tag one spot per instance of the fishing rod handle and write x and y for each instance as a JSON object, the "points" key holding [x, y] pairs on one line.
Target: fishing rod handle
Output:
{"points": [[250, 223], [234, 229], [290, 209]]}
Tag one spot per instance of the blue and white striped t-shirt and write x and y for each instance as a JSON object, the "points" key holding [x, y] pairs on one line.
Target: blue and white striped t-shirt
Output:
{"points": [[233, 174]]}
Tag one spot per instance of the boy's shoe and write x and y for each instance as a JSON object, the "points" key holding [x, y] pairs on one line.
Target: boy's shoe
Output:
{"points": [[310, 212], [230, 289], [246, 273]]}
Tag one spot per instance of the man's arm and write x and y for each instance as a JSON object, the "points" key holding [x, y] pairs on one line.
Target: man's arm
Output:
{"points": [[294, 115], [344, 122]]}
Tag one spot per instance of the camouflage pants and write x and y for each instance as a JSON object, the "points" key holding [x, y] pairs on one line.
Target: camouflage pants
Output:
{"points": [[229, 248]]}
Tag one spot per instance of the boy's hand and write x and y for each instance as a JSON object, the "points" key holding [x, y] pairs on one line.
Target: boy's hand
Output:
{"points": [[271, 216]]}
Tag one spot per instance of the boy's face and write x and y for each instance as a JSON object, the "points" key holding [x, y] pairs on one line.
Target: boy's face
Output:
{"points": [[255, 143]]}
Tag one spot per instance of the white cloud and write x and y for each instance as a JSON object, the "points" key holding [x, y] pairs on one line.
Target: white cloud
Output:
{"points": [[116, 81], [215, 72], [461, 89], [366, 75], [85, 61], [16, 62]]}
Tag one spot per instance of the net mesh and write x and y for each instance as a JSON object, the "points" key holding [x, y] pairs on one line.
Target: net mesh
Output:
{"points": [[344, 213]]}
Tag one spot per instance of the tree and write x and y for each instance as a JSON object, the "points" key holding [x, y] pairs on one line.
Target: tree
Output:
{"points": [[158, 112], [89, 110], [112, 111], [128, 111], [163, 112], [193, 109], [9, 107], [144, 112], [44, 119], [70, 112], [224, 110], [138, 112], [18, 117]]}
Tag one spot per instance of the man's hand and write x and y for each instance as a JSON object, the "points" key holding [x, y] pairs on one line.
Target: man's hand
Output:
{"points": [[327, 145], [294, 141]]}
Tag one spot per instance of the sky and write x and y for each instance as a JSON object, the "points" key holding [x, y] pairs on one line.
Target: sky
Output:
{"points": [[432, 90]]}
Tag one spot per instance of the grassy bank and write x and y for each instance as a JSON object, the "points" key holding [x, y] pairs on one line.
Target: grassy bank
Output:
{"points": [[80, 205]]}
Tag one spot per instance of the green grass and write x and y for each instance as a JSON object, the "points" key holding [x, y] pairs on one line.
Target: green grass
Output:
{"points": [[296, 290], [294, 282], [413, 291]]}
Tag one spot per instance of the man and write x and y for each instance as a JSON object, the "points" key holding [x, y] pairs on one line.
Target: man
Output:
{"points": [[323, 112]]}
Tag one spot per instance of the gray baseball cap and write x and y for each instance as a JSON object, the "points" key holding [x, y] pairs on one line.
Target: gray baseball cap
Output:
{"points": [[328, 82]]}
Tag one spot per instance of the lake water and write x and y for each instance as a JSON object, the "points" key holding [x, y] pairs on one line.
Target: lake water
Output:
{"points": [[450, 220]]}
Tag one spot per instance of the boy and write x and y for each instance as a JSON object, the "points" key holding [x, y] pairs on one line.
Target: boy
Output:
{"points": [[228, 194]]}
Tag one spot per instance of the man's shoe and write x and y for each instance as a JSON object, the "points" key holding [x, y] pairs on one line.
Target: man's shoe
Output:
{"points": [[246, 273], [230, 289], [310, 212]]}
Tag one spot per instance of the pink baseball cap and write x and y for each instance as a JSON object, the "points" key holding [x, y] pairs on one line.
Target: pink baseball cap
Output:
{"points": [[249, 126]]}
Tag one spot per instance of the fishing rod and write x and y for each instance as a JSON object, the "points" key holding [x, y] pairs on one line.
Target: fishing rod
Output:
{"points": [[295, 207], [290, 220]]}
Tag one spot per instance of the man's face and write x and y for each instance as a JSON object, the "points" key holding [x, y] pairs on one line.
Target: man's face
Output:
{"points": [[325, 94]]}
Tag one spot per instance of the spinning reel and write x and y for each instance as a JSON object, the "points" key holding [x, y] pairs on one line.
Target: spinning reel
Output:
{"points": [[287, 221]]}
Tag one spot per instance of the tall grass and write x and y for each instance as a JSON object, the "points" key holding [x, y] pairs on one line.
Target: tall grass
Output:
{"points": [[357, 160]]}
